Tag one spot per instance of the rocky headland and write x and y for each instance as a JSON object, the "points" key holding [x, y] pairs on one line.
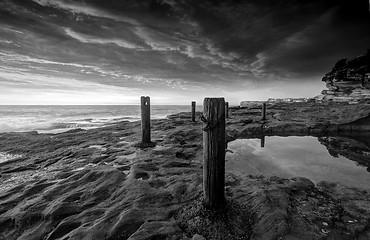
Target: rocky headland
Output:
{"points": [[348, 81], [103, 184]]}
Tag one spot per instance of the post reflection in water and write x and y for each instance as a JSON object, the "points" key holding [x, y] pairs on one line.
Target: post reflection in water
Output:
{"points": [[318, 159], [262, 141]]}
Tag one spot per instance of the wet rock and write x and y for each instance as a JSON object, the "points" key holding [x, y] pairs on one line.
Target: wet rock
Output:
{"points": [[302, 119], [142, 176], [176, 164], [116, 190], [158, 230]]}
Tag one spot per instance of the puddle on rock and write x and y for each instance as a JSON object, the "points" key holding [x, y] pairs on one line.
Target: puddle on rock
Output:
{"points": [[307, 156]]}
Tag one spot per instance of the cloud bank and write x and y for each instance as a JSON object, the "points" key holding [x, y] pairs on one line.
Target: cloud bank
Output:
{"points": [[178, 50]]}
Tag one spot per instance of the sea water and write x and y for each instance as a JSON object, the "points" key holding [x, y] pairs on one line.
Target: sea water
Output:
{"points": [[53, 119], [294, 156]]}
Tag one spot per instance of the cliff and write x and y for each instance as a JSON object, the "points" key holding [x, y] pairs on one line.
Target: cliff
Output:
{"points": [[348, 81]]}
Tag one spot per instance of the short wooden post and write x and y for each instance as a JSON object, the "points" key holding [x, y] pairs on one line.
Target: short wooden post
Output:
{"points": [[227, 109], [214, 153], [145, 119], [264, 111], [193, 104], [262, 141]]}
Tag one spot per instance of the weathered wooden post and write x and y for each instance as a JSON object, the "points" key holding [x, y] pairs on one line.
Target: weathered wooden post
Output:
{"points": [[262, 141], [227, 109], [145, 119], [264, 111], [193, 104], [214, 153]]}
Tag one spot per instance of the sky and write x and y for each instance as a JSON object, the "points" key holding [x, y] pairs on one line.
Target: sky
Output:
{"points": [[175, 51]]}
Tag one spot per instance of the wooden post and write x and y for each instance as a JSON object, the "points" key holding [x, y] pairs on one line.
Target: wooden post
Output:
{"points": [[264, 111], [262, 141], [145, 119], [214, 153], [193, 104], [227, 109]]}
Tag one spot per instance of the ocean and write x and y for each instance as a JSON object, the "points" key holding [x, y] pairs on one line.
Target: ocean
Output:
{"points": [[54, 119]]}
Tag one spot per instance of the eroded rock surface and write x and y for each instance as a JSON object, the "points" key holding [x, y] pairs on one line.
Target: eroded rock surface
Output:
{"points": [[309, 118], [98, 184]]}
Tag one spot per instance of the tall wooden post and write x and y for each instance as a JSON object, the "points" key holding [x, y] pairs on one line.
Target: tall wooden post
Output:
{"points": [[227, 109], [193, 104], [145, 119], [264, 111], [214, 153]]}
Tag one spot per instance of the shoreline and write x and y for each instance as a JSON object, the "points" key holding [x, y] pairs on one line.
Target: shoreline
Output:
{"points": [[96, 184], [64, 118]]}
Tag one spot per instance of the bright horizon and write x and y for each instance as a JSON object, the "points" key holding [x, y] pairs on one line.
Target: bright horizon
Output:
{"points": [[118, 99]]}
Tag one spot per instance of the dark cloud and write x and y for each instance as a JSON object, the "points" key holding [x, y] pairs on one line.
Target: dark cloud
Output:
{"points": [[293, 36], [176, 44]]}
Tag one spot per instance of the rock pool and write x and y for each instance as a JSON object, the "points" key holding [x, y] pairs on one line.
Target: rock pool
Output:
{"points": [[319, 159]]}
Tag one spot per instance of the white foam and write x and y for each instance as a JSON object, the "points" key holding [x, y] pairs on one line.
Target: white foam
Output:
{"points": [[56, 119]]}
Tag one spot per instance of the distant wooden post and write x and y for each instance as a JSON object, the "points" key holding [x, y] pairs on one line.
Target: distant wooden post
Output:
{"points": [[145, 119], [227, 109], [193, 104], [262, 141], [214, 153], [264, 111]]}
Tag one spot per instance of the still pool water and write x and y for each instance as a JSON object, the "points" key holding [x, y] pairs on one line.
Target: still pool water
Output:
{"points": [[294, 156]]}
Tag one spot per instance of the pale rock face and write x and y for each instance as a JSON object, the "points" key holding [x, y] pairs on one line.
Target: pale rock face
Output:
{"points": [[320, 97], [348, 81], [327, 92]]}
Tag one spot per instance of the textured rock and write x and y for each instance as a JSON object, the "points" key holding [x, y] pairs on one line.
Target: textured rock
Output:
{"points": [[311, 118], [198, 237], [348, 81], [251, 104], [97, 184]]}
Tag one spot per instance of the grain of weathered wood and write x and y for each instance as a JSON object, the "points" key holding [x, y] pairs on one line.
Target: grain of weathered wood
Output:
{"points": [[145, 119], [193, 104], [214, 153], [227, 109]]}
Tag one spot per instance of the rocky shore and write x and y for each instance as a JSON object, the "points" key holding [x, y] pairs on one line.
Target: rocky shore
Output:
{"points": [[101, 184], [348, 81]]}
